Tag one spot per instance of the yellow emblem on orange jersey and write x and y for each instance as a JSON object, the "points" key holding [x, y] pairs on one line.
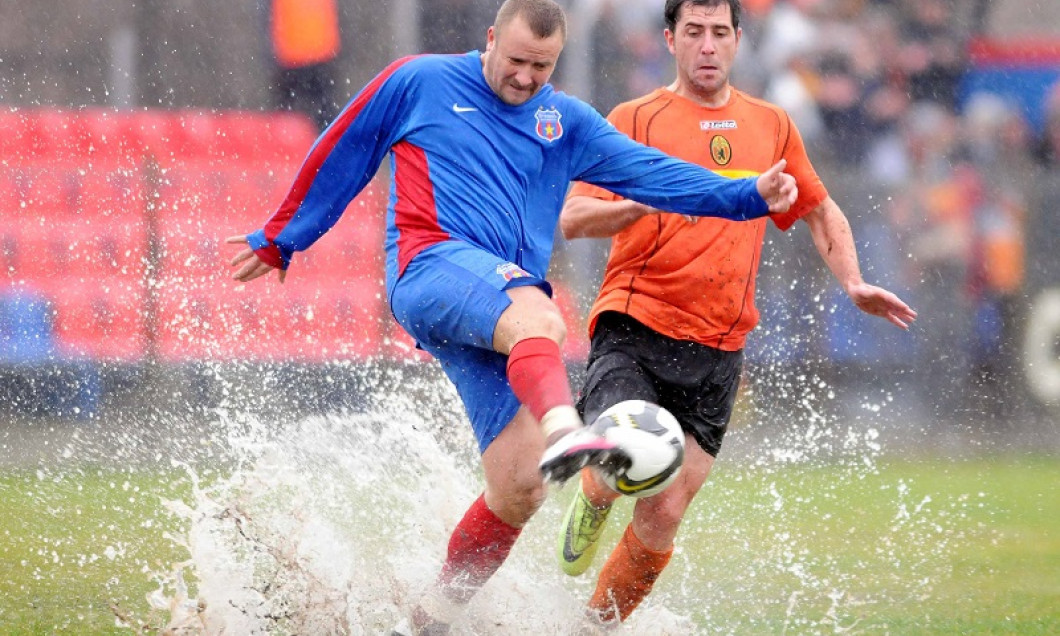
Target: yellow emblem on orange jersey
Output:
{"points": [[720, 150]]}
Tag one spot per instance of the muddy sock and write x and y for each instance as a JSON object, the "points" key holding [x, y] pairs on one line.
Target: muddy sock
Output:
{"points": [[478, 546]]}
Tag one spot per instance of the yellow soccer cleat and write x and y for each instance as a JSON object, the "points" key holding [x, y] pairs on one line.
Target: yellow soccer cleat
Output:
{"points": [[580, 534]]}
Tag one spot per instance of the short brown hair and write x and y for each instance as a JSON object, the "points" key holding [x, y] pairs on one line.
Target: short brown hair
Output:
{"points": [[544, 17], [673, 9]]}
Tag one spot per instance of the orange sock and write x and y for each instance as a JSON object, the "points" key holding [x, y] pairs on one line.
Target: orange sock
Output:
{"points": [[627, 577], [597, 493]]}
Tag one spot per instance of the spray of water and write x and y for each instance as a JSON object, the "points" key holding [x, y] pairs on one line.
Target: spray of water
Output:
{"points": [[335, 524]]}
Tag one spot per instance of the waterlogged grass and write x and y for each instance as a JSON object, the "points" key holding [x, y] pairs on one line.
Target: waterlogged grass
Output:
{"points": [[1006, 568], [919, 547], [888, 547], [80, 548]]}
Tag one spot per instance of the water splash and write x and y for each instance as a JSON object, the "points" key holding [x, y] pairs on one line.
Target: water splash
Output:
{"points": [[336, 523]]}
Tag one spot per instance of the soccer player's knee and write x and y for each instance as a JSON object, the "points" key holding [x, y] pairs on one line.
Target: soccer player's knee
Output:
{"points": [[532, 494], [531, 315], [523, 500], [554, 327], [665, 513]]}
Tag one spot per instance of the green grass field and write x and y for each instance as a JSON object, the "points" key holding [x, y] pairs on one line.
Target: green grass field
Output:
{"points": [[927, 547], [911, 547], [79, 549]]}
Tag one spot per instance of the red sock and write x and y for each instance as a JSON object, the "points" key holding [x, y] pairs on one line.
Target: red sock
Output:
{"points": [[538, 376], [479, 545]]}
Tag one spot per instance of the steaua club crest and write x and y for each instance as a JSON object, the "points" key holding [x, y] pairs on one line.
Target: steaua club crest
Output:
{"points": [[720, 150], [548, 126]]}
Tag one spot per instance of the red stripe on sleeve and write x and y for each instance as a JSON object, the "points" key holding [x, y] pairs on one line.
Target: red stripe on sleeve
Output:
{"points": [[323, 148], [415, 212], [270, 255]]}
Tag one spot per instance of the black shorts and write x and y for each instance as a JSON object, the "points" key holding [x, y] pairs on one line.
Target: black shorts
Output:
{"points": [[629, 361]]}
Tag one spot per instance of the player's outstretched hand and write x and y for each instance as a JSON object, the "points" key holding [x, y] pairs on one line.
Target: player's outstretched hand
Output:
{"points": [[252, 266], [778, 188], [880, 302]]}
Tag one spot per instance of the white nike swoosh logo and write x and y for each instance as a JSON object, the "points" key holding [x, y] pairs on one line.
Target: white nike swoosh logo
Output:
{"points": [[463, 109]]}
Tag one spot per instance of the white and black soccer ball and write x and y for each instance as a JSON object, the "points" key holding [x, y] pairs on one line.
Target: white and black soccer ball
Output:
{"points": [[653, 438]]}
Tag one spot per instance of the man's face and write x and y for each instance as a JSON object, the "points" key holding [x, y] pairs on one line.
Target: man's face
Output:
{"points": [[517, 63], [704, 45]]}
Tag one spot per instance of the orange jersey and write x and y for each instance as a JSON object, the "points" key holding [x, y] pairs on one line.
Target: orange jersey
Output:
{"points": [[694, 279]]}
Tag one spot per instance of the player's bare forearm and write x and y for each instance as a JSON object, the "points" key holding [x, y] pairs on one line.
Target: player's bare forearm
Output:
{"points": [[835, 243], [589, 217]]}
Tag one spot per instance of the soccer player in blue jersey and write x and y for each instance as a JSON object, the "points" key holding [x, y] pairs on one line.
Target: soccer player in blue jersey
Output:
{"points": [[482, 150]]}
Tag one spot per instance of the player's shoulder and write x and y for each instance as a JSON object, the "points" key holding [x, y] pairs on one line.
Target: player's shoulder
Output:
{"points": [[549, 95], [758, 106], [654, 100], [438, 61], [570, 107], [430, 65]]}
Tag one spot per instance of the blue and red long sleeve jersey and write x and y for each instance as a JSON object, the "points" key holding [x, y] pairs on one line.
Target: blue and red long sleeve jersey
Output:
{"points": [[468, 167]]}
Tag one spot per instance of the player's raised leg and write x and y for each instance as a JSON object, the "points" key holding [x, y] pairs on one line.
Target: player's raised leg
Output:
{"points": [[531, 331], [506, 393]]}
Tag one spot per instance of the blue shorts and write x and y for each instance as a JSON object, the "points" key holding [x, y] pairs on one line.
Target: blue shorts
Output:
{"points": [[449, 300]]}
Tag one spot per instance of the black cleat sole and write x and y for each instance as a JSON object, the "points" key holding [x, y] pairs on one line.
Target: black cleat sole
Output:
{"points": [[561, 469]]}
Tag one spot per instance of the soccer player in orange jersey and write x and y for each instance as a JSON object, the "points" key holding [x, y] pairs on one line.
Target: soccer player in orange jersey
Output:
{"points": [[677, 299]]}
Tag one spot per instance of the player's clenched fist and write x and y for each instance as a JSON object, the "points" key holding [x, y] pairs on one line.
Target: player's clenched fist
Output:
{"points": [[778, 188]]}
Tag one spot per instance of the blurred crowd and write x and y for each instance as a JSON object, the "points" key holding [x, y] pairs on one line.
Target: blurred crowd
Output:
{"points": [[949, 192], [948, 183], [948, 187]]}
